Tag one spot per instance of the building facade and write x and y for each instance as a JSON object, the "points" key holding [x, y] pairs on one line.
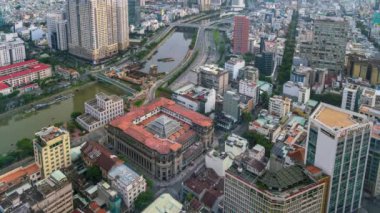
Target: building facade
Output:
{"points": [[52, 150], [100, 111], [231, 105], [134, 15], [250, 89], [233, 66], [338, 143], [350, 97], [241, 35], [127, 182], [213, 77], [372, 177], [97, 29], [12, 49], [161, 137], [57, 31], [279, 106], [265, 63]]}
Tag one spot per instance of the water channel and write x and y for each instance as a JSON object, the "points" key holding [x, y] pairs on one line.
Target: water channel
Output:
{"points": [[174, 47], [21, 125]]}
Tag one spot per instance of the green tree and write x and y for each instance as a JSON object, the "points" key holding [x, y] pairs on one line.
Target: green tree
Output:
{"points": [[247, 116], [94, 174], [248, 57], [25, 146], [143, 200], [255, 138], [265, 100], [74, 115]]}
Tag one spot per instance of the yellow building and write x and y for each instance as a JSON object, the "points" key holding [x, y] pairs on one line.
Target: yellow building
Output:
{"points": [[52, 150], [360, 67]]}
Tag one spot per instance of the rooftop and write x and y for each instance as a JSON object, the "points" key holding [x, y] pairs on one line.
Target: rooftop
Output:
{"points": [[164, 203], [123, 174], [32, 69], [17, 65], [18, 173], [49, 133]]}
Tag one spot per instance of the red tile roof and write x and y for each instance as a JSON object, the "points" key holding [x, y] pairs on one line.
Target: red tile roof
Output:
{"points": [[298, 155], [32, 69], [3, 86], [21, 64], [313, 170], [139, 133], [19, 172], [105, 159]]}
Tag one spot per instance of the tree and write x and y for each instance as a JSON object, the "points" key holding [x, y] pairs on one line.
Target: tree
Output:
{"points": [[247, 116], [74, 115], [25, 146], [255, 138], [94, 174], [143, 200], [248, 57], [265, 100]]}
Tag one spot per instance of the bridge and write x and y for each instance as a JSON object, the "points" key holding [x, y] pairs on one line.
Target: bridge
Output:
{"points": [[117, 83]]}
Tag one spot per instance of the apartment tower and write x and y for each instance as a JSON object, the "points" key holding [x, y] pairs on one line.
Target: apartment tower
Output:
{"points": [[241, 35], [97, 29], [338, 143]]}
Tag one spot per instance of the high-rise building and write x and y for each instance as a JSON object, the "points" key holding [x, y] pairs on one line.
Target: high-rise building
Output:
{"points": [[329, 44], [97, 29], [241, 35], [12, 49], [350, 99], [213, 77], [372, 177], [57, 31], [231, 107], [279, 106], [265, 63], [366, 68], [233, 66], [338, 143], [52, 150], [134, 14], [204, 5]]}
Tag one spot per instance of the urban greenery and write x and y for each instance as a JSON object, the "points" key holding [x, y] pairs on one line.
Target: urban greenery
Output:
{"points": [[164, 92], [93, 174], [330, 98], [255, 138], [287, 60], [193, 40], [145, 198], [24, 148], [184, 68]]}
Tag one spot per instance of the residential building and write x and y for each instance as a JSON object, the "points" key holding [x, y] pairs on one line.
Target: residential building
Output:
{"points": [[296, 92], [127, 182], [97, 29], [233, 66], [30, 173], [161, 137], [221, 161], [310, 77], [237, 5], [100, 111], [366, 68], [52, 150], [57, 31], [291, 189], [67, 73], [250, 73], [213, 77], [372, 176], [265, 87], [164, 203], [95, 154], [134, 12], [330, 36], [241, 34], [231, 102], [370, 97], [196, 98], [110, 196], [24, 73], [338, 143], [372, 113], [204, 5], [279, 106], [265, 63], [350, 98], [265, 124], [12, 49], [51, 195], [250, 89]]}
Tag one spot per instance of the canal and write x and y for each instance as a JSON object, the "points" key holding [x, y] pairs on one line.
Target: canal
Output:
{"points": [[21, 125], [174, 47]]}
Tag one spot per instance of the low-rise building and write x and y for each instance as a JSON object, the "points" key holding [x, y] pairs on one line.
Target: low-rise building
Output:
{"points": [[162, 137], [51, 195], [164, 203], [213, 77], [100, 111], [67, 73], [52, 150], [296, 91], [5, 89], [196, 98], [127, 182], [279, 106], [265, 124], [30, 173], [233, 66]]}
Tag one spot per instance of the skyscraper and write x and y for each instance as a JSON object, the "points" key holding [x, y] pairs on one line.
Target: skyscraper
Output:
{"points": [[372, 177], [329, 44], [57, 31], [241, 34], [134, 12], [97, 29], [338, 142]]}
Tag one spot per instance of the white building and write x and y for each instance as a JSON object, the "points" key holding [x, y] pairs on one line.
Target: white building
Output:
{"points": [[100, 111], [127, 182], [233, 66], [296, 91], [350, 97], [250, 73], [196, 98], [370, 97], [279, 106], [12, 49], [5, 89], [237, 5], [221, 161], [250, 89], [57, 31], [338, 143]]}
